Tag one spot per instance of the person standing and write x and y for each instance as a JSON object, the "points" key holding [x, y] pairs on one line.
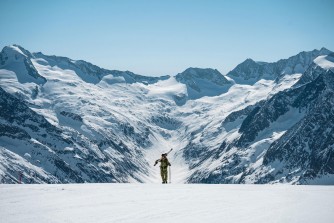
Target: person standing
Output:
{"points": [[164, 163]]}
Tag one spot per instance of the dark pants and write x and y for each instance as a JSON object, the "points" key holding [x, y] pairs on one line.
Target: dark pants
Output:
{"points": [[164, 174]]}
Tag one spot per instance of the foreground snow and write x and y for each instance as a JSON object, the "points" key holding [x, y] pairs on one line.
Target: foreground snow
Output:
{"points": [[165, 203]]}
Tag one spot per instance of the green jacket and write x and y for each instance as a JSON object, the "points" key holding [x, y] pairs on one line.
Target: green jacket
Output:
{"points": [[164, 163]]}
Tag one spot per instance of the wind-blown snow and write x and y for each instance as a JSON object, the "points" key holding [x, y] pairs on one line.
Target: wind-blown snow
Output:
{"points": [[147, 203]]}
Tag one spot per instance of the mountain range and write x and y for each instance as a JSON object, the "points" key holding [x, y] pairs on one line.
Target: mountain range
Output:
{"points": [[69, 121]]}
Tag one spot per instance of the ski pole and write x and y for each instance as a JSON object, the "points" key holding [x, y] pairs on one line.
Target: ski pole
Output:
{"points": [[20, 177], [170, 175]]}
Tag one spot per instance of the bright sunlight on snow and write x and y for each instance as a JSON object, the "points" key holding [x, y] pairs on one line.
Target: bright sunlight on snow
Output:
{"points": [[165, 203]]}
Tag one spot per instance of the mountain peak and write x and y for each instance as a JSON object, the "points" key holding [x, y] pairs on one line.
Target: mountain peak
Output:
{"points": [[247, 70], [17, 59], [204, 73], [203, 82], [16, 50], [193, 74], [249, 60], [324, 50]]}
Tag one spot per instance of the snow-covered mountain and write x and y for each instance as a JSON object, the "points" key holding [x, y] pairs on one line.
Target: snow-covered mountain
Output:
{"points": [[203, 82], [65, 120], [250, 71], [287, 137]]}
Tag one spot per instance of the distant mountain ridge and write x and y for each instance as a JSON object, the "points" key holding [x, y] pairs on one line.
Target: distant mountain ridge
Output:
{"points": [[249, 70], [87, 71]]}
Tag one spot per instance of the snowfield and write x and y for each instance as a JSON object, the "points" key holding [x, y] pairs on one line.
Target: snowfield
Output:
{"points": [[165, 203]]}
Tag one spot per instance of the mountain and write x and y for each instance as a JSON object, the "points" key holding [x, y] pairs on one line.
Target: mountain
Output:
{"points": [[52, 134], [91, 73], [308, 147], [43, 152], [319, 64], [286, 138], [250, 71], [203, 82], [66, 121], [17, 59]]}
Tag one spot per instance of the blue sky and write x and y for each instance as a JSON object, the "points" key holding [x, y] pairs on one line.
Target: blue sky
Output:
{"points": [[166, 37]]}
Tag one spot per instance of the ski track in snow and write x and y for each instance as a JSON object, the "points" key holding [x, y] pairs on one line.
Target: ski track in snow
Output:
{"points": [[165, 203]]}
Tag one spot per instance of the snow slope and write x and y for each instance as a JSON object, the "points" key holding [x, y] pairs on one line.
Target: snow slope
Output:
{"points": [[165, 203], [326, 61]]}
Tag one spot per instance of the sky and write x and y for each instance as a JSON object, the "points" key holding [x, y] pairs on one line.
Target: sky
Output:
{"points": [[165, 37]]}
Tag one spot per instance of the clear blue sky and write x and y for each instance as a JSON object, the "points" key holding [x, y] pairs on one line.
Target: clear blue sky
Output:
{"points": [[166, 37]]}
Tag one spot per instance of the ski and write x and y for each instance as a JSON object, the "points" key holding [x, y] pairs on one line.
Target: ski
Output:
{"points": [[169, 151]]}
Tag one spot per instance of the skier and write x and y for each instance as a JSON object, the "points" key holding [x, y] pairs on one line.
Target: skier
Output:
{"points": [[164, 163]]}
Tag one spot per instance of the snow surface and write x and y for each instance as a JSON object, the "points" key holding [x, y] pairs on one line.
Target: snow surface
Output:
{"points": [[326, 61], [165, 203]]}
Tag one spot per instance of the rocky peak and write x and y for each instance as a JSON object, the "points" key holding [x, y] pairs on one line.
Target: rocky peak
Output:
{"points": [[202, 73], [17, 59], [252, 71]]}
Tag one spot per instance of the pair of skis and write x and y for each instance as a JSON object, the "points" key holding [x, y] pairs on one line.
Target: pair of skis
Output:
{"points": [[169, 151]]}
